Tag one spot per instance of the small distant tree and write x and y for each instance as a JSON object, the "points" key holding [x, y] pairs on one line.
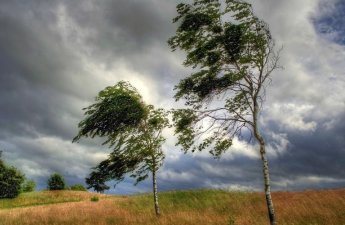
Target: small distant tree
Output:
{"points": [[233, 54], [29, 186], [11, 180], [56, 182], [134, 131], [78, 187]]}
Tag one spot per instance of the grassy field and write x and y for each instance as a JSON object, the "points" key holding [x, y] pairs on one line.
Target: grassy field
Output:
{"points": [[199, 207]]}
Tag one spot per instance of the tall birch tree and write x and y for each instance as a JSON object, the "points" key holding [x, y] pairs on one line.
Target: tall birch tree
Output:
{"points": [[233, 55]]}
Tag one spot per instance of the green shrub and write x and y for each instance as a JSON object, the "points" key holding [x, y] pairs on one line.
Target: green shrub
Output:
{"points": [[56, 182], [29, 186], [94, 199], [11, 180], [78, 187]]}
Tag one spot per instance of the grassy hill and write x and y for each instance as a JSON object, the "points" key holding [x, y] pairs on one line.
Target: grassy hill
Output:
{"points": [[326, 207]]}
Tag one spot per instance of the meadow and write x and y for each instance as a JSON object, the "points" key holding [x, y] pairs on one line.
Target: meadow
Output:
{"points": [[217, 207]]}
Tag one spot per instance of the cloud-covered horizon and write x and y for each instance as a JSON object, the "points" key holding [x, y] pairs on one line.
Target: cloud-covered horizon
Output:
{"points": [[55, 56]]}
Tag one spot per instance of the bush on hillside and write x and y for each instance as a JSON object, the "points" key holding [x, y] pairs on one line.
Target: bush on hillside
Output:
{"points": [[29, 186], [56, 182], [78, 187], [11, 180], [94, 199]]}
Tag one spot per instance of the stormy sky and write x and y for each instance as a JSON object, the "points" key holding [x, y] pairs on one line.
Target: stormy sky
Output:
{"points": [[55, 56]]}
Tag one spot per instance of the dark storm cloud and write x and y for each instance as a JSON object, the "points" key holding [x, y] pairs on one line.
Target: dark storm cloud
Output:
{"points": [[194, 172], [311, 160], [41, 95], [36, 82], [318, 153], [124, 27], [205, 172], [134, 32], [31, 49]]}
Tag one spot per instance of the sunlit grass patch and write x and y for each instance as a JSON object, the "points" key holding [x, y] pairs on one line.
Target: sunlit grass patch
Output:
{"points": [[44, 197]]}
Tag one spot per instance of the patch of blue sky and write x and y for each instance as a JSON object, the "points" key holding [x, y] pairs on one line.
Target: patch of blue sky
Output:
{"points": [[330, 21]]}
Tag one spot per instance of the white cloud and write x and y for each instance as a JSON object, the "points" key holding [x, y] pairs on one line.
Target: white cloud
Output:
{"points": [[278, 145], [291, 116], [173, 176], [233, 187], [305, 181], [242, 148], [310, 88]]}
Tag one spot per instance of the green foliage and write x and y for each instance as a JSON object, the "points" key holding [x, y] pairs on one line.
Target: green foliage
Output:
{"points": [[203, 84], [117, 108], [29, 186], [113, 168], [193, 22], [94, 199], [232, 41], [78, 187], [56, 182], [11, 180], [137, 152], [232, 53], [184, 119]]}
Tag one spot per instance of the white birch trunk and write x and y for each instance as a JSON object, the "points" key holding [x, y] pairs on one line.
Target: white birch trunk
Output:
{"points": [[261, 141], [155, 194]]}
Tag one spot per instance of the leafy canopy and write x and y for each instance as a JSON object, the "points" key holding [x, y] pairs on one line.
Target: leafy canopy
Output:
{"points": [[232, 53], [137, 152], [117, 108], [11, 180]]}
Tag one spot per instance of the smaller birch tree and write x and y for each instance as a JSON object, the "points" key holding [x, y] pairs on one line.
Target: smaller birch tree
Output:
{"points": [[136, 138]]}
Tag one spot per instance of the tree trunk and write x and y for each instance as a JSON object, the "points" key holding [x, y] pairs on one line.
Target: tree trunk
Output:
{"points": [[261, 141], [155, 196], [269, 201]]}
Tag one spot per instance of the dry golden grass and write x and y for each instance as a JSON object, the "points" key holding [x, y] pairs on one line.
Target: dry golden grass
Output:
{"points": [[187, 208]]}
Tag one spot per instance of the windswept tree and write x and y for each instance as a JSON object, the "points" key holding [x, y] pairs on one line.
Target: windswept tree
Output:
{"points": [[233, 54], [56, 182], [132, 129]]}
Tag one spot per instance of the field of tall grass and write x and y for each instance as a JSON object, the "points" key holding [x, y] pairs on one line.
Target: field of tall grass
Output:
{"points": [[326, 207]]}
